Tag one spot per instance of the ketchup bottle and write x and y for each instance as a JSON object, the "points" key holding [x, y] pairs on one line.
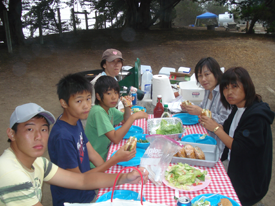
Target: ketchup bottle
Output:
{"points": [[159, 108]]}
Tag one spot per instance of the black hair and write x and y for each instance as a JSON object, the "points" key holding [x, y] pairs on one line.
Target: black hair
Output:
{"points": [[102, 63], [212, 65], [235, 75], [72, 84], [104, 84], [38, 116]]}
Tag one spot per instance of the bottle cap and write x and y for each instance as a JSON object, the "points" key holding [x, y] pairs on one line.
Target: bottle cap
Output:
{"points": [[166, 105], [159, 96]]}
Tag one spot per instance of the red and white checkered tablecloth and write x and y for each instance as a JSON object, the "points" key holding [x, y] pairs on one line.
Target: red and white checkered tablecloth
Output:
{"points": [[220, 182]]}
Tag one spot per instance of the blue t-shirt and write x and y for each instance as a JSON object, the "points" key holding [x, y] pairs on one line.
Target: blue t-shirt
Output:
{"points": [[67, 149]]}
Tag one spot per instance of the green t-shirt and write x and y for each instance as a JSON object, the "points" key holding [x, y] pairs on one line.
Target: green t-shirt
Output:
{"points": [[98, 124]]}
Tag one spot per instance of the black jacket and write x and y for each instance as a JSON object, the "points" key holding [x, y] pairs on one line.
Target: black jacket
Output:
{"points": [[250, 165]]}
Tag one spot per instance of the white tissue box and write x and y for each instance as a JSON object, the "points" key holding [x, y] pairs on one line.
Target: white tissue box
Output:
{"points": [[191, 91], [185, 70]]}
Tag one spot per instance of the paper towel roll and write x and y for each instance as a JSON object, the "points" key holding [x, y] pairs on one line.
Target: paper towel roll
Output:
{"points": [[162, 86]]}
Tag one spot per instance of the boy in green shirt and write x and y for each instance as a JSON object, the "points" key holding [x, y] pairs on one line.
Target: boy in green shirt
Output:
{"points": [[103, 116]]}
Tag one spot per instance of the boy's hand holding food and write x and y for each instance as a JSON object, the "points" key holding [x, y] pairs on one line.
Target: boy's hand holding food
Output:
{"points": [[127, 101], [131, 144], [123, 155]]}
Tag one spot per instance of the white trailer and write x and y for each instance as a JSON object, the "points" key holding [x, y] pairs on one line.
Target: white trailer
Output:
{"points": [[225, 18]]}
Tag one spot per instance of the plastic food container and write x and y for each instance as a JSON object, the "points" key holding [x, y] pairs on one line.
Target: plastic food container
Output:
{"points": [[211, 153], [196, 138], [142, 145], [191, 91], [154, 124], [134, 130]]}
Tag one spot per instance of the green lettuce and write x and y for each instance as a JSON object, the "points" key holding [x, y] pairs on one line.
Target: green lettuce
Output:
{"points": [[166, 128], [183, 175]]}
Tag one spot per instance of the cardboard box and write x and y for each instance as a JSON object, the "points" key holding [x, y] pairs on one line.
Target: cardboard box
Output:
{"points": [[176, 77]]}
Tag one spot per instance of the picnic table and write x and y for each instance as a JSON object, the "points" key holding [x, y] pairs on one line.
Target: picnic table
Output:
{"points": [[220, 182]]}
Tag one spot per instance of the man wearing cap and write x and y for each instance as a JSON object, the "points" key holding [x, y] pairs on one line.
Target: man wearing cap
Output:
{"points": [[111, 63], [23, 170]]}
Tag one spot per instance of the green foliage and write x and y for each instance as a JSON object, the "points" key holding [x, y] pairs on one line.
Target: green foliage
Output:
{"points": [[215, 7], [186, 12]]}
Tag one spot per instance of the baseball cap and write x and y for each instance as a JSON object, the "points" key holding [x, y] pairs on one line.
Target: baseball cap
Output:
{"points": [[27, 111], [111, 54]]}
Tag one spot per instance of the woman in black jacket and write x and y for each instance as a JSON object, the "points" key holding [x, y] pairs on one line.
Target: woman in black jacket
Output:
{"points": [[246, 134]]}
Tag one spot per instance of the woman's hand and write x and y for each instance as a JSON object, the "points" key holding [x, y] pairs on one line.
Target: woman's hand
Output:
{"points": [[192, 109], [209, 123], [122, 156], [134, 176]]}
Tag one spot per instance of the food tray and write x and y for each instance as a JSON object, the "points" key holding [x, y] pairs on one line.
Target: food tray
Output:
{"points": [[134, 130], [196, 138], [211, 155], [153, 125]]}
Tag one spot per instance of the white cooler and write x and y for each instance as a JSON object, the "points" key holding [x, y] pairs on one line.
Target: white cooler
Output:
{"points": [[191, 91]]}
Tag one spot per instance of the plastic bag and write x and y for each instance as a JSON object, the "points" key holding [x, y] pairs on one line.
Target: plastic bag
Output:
{"points": [[158, 156]]}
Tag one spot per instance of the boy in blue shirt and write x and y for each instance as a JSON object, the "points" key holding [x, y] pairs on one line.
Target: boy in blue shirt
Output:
{"points": [[103, 116], [23, 169], [68, 145]]}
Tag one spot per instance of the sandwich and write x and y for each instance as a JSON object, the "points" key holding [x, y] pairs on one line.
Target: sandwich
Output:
{"points": [[186, 103], [131, 143], [199, 153], [181, 153], [225, 202], [127, 100], [206, 112], [189, 151]]}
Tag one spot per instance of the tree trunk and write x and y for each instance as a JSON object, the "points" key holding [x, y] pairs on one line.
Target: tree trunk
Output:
{"points": [[253, 21], [15, 13], [165, 20], [131, 15], [144, 13], [169, 5], [139, 16], [2, 7]]}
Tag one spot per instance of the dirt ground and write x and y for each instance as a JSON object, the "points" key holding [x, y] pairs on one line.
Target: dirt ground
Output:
{"points": [[31, 73]]}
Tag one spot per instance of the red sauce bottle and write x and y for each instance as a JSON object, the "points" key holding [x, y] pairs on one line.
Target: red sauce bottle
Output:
{"points": [[159, 107]]}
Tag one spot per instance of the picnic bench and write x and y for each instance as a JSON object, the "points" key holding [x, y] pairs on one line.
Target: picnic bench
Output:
{"points": [[232, 26]]}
